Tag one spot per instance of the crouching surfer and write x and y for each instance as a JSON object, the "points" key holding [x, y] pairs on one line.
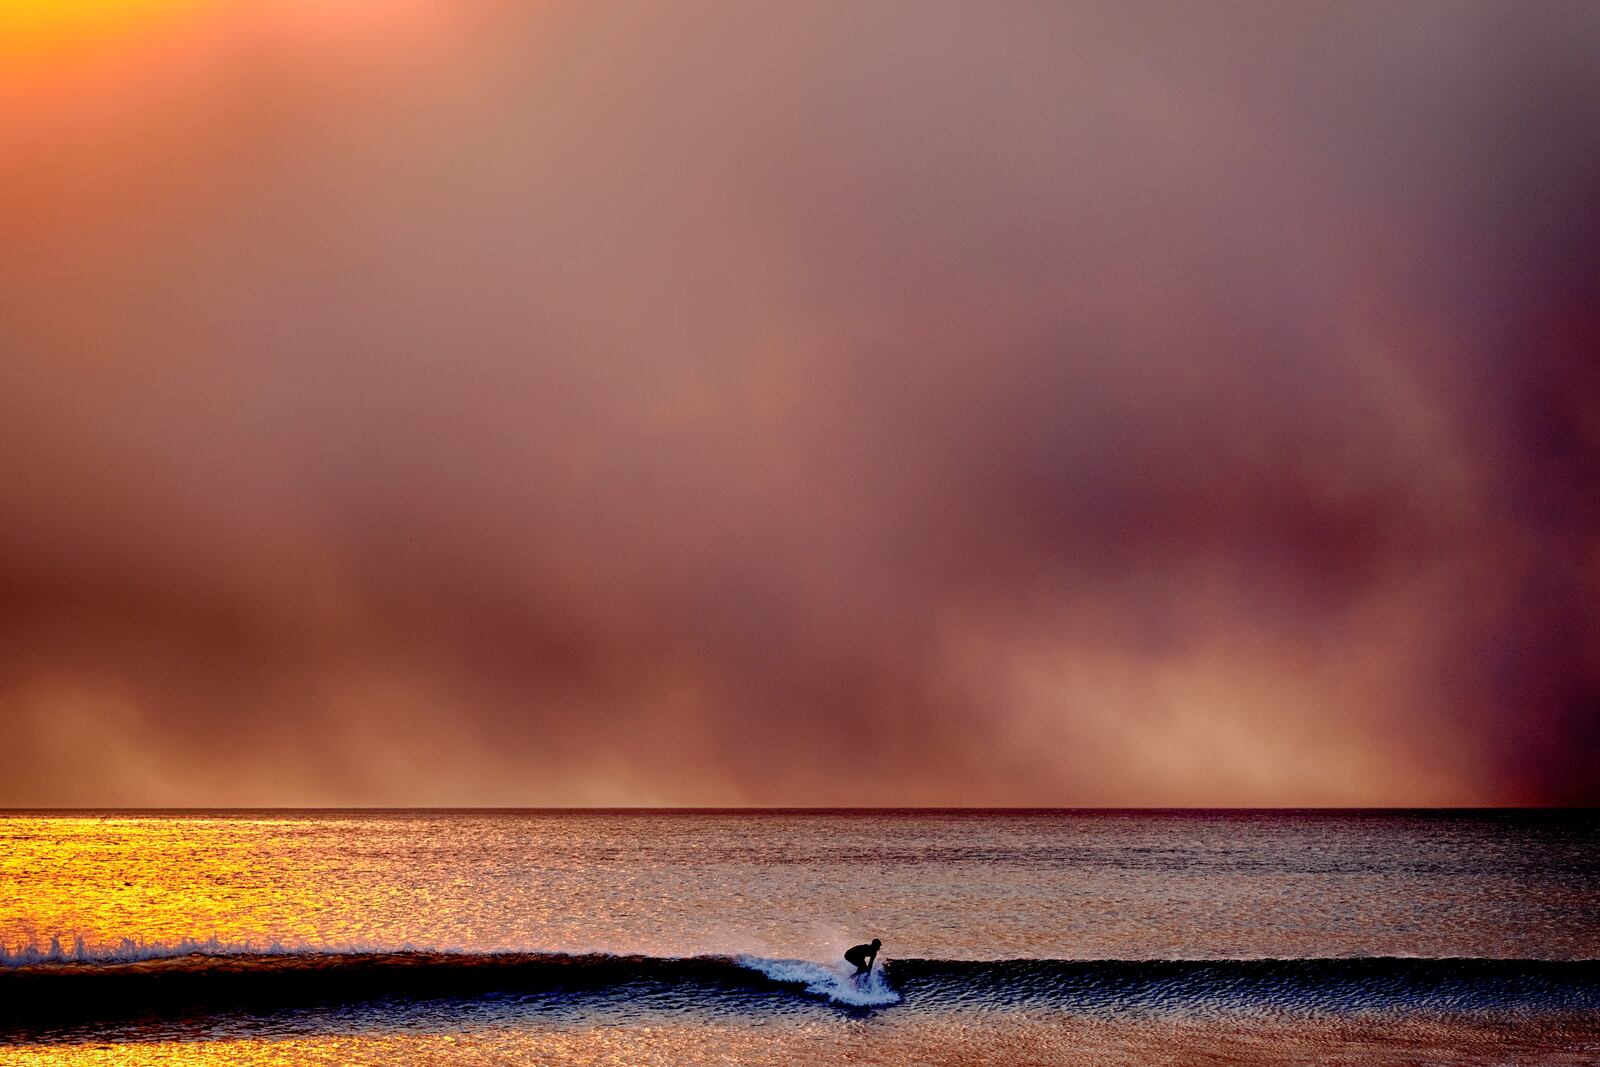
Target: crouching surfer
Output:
{"points": [[863, 956]]}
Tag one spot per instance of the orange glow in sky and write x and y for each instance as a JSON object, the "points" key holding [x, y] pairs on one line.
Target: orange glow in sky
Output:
{"points": [[411, 401], [56, 26]]}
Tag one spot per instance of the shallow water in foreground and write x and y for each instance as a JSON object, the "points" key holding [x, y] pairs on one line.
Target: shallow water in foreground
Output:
{"points": [[947, 1040], [1109, 937]]}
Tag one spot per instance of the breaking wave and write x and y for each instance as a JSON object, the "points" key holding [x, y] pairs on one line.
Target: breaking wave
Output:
{"points": [[833, 983], [59, 984], [131, 950]]}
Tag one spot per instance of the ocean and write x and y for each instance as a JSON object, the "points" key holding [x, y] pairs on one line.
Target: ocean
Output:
{"points": [[687, 937]]}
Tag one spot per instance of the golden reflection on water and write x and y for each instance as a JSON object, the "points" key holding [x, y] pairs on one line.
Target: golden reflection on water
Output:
{"points": [[325, 881], [568, 881], [786, 884], [952, 1040], [153, 879]]}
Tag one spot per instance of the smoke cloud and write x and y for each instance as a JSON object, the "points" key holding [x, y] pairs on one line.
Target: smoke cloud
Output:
{"points": [[859, 403]]}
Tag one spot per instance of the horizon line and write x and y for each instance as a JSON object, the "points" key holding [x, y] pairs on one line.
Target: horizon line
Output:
{"points": [[738, 808]]}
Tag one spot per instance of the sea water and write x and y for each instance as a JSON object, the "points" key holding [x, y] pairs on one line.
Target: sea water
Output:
{"points": [[430, 937]]}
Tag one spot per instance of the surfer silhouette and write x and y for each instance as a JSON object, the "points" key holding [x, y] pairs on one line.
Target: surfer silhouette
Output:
{"points": [[863, 956]]}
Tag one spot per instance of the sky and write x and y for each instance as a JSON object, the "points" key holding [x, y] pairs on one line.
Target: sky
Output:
{"points": [[910, 403]]}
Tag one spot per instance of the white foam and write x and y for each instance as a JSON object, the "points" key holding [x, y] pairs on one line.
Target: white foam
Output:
{"points": [[837, 984]]}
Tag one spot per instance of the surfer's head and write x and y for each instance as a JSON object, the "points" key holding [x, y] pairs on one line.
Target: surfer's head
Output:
{"points": [[876, 943]]}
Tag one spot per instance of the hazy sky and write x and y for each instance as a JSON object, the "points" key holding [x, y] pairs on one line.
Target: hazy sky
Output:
{"points": [[470, 402]]}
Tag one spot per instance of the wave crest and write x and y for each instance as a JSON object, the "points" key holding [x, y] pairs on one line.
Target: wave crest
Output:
{"points": [[188, 977], [132, 950]]}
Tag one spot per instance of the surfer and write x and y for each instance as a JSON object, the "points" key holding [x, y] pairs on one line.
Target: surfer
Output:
{"points": [[863, 956]]}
